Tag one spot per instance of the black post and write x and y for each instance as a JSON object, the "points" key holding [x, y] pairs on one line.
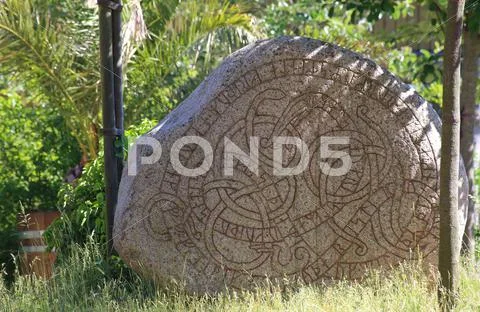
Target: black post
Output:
{"points": [[110, 60], [118, 90]]}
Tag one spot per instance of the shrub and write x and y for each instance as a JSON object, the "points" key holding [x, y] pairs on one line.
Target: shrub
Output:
{"points": [[36, 150], [83, 206]]}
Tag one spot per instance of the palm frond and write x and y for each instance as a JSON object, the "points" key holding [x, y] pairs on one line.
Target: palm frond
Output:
{"points": [[46, 53], [194, 28]]}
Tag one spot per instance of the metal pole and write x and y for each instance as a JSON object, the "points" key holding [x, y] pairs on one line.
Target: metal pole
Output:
{"points": [[107, 74], [118, 90]]}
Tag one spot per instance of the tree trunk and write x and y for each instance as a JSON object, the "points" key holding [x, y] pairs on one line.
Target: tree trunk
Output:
{"points": [[450, 240], [467, 143]]}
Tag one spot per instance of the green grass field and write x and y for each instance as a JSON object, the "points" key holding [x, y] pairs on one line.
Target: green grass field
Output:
{"points": [[80, 285]]}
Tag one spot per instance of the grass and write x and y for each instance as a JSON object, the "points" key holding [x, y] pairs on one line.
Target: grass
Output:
{"points": [[80, 284]]}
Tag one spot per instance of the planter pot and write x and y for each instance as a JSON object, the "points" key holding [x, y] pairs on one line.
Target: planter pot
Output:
{"points": [[34, 257]]}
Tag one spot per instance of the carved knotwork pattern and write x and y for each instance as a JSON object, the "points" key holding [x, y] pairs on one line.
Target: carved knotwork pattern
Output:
{"points": [[309, 226]]}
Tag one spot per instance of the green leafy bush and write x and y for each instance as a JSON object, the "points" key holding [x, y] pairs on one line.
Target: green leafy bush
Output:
{"points": [[422, 69], [83, 205], [318, 20], [338, 23], [36, 150]]}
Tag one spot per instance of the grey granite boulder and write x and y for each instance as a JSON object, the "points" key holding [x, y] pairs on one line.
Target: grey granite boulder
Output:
{"points": [[218, 230]]}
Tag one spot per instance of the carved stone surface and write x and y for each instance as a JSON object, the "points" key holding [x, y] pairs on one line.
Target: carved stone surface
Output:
{"points": [[214, 231]]}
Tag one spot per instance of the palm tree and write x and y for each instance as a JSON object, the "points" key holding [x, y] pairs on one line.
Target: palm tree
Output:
{"points": [[51, 49]]}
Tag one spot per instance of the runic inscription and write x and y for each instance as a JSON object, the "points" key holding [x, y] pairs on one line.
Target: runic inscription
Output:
{"points": [[214, 230]]}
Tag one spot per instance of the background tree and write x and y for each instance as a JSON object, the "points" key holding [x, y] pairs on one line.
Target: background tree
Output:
{"points": [[449, 249], [468, 99], [471, 53]]}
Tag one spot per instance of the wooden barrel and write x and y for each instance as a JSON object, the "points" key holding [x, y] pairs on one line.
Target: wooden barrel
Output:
{"points": [[34, 257]]}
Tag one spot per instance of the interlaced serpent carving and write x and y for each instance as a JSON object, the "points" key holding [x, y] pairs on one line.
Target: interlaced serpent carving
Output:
{"points": [[310, 226]]}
